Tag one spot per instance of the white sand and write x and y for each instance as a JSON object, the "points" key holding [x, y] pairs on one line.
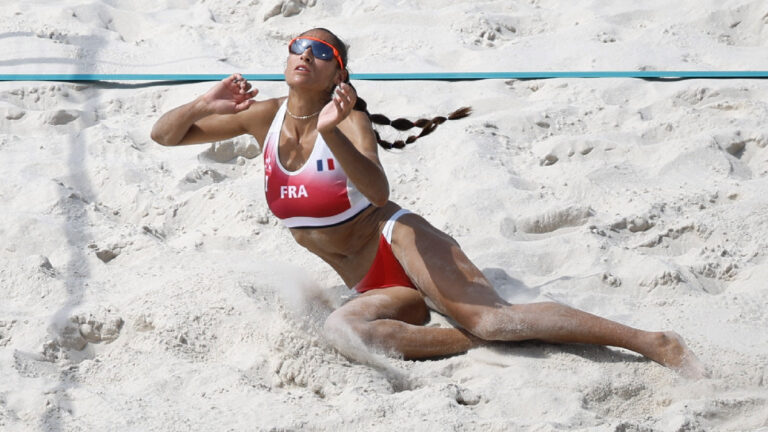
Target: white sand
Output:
{"points": [[644, 202]]}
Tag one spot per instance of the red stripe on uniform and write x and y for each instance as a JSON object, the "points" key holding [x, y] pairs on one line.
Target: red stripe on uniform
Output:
{"points": [[330, 165]]}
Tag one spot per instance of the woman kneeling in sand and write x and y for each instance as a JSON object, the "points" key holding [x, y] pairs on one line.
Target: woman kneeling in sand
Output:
{"points": [[324, 180]]}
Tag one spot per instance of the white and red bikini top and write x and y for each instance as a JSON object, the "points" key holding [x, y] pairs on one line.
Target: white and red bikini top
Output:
{"points": [[318, 194]]}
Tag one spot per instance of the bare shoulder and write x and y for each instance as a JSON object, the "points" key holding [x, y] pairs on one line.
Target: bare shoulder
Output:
{"points": [[258, 117], [266, 106], [263, 110]]}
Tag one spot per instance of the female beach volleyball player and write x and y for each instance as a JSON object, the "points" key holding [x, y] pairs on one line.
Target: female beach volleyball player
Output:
{"points": [[324, 181]]}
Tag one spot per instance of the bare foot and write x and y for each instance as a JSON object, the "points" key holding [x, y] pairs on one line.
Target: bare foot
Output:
{"points": [[671, 351]]}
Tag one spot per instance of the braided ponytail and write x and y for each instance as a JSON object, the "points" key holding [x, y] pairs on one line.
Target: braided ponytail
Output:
{"points": [[427, 126], [402, 124]]}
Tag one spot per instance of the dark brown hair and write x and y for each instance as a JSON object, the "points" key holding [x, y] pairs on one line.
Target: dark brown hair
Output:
{"points": [[427, 125]]}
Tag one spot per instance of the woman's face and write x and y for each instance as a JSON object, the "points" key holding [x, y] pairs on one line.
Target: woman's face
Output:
{"points": [[308, 72]]}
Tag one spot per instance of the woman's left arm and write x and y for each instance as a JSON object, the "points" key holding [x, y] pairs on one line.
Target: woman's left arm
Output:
{"points": [[349, 135]]}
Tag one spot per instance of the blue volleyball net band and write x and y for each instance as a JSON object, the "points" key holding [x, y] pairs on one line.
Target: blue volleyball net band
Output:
{"points": [[437, 76]]}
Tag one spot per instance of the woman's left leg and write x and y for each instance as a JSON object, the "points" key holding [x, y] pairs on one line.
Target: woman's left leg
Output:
{"points": [[444, 274]]}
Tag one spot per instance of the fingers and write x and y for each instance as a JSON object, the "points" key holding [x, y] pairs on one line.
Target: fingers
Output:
{"points": [[243, 102], [244, 86], [237, 84], [337, 104], [251, 94], [347, 90], [345, 97]]}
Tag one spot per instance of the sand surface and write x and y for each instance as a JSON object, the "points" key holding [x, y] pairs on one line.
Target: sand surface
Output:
{"points": [[146, 288]]}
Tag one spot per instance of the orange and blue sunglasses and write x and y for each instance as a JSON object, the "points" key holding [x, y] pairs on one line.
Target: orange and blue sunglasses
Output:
{"points": [[320, 48]]}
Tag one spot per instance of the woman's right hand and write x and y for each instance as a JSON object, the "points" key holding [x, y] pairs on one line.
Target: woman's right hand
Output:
{"points": [[230, 96]]}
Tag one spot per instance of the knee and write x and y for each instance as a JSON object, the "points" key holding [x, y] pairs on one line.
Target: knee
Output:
{"points": [[336, 322], [343, 329]]}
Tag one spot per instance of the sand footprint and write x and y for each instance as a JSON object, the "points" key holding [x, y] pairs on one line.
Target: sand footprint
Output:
{"points": [[75, 333], [548, 221], [200, 177], [226, 151], [14, 113], [288, 8]]}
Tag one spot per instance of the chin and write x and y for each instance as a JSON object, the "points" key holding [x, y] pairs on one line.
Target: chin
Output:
{"points": [[304, 83]]}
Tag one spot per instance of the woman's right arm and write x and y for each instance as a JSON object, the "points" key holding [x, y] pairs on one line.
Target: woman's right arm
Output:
{"points": [[219, 114]]}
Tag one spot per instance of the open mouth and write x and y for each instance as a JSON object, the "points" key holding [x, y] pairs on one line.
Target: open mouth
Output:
{"points": [[302, 69]]}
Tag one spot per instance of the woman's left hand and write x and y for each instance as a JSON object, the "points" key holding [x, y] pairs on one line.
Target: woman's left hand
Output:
{"points": [[341, 104]]}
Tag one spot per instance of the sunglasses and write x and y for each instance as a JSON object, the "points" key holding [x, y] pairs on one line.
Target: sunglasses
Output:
{"points": [[320, 48]]}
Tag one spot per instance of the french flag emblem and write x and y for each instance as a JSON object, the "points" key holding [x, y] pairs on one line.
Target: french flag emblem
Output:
{"points": [[325, 165]]}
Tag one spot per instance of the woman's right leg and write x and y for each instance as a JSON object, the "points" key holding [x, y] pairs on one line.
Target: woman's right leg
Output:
{"points": [[390, 319]]}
